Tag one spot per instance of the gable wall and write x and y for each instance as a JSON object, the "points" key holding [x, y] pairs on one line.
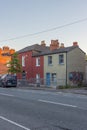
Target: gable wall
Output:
{"points": [[75, 61]]}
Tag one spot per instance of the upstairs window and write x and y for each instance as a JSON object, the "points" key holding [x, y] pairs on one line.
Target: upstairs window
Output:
{"points": [[23, 61], [49, 60], [61, 59], [38, 61]]}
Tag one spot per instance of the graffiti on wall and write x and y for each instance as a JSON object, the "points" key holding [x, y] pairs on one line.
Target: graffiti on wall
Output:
{"points": [[76, 77]]}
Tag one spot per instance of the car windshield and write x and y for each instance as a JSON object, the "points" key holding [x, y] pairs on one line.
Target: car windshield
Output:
{"points": [[2, 77], [8, 76]]}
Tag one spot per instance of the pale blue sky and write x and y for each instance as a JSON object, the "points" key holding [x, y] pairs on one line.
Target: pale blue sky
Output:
{"points": [[22, 17]]}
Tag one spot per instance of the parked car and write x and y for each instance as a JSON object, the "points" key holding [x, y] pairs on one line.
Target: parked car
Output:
{"points": [[8, 80]]}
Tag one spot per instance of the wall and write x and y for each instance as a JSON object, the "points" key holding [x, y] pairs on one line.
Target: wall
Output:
{"points": [[75, 62], [5, 56], [38, 69], [28, 64], [60, 70]]}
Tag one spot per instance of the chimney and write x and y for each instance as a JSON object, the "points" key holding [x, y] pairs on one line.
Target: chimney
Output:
{"points": [[43, 43], [75, 43], [62, 45], [12, 51], [6, 48], [54, 45]]}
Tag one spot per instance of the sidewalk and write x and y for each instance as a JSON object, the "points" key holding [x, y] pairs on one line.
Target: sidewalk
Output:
{"points": [[82, 91]]}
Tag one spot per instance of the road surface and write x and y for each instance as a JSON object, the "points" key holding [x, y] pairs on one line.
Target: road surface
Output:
{"points": [[42, 110]]}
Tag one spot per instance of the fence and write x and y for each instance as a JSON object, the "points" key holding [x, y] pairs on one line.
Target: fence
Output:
{"points": [[41, 82]]}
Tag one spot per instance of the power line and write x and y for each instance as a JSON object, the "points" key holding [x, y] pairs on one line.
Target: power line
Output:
{"points": [[48, 30]]}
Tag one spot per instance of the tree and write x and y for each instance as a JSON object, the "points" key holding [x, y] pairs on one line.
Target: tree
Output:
{"points": [[14, 65]]}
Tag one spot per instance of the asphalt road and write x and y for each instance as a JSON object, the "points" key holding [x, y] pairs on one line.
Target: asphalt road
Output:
{"points": [[42, 110]]}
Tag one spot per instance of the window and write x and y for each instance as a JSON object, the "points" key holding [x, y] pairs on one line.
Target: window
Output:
{"points": [[23, 74], [23, 61], [53, 77], [61, 59], [38, 61], [37, 78], [49, 60]]}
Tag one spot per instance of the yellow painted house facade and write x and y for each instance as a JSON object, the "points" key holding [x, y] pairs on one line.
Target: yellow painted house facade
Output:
{"points": [[64, 66], [55, 72]]}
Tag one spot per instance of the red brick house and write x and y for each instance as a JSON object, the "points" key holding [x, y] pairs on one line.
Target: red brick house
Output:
{"points": [[32, 65]]}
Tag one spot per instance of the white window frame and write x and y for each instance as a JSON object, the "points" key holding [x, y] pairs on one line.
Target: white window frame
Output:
{"points": [[23, 61], [53, 76], [38, 61], [37, 78]]}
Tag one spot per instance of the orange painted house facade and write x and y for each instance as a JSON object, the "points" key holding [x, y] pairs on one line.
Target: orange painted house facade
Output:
{"points": [[5, 57]]}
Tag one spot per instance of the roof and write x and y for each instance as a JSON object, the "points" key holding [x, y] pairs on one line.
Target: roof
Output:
{"points": [[35, 47], [44, 50], [60, 50]]}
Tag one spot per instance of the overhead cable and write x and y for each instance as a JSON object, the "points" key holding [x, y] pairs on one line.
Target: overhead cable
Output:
{"points": [[47, 30]]}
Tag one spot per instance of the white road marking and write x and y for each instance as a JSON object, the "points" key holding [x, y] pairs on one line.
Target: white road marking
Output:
{"points": [[57, 103], [14, 123], [4, 94]]}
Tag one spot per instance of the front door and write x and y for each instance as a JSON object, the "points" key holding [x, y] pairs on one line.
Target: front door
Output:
{"points": [[48, 79]]}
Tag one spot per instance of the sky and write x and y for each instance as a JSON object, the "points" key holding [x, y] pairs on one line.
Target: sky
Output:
{"points": [[21, 18]]}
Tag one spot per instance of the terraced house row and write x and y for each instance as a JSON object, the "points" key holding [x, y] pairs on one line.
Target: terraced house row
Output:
{"points": [[53, 65]]}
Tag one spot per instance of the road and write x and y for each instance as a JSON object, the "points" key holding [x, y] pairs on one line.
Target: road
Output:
{"points": [[42, 110]]}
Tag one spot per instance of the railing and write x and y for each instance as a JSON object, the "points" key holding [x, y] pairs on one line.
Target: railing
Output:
{"points": [[40, 82]]}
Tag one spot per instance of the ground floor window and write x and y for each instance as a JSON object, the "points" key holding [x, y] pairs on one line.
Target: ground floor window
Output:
{"points": [[37, 78], [76, 77], [53, 77], [23, 74]]}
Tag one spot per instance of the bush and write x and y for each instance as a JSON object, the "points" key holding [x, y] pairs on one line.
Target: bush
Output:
{"points": [[63, 87], [66, 87]]}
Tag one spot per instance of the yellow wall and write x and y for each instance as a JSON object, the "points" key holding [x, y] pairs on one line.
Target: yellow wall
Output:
{"points": [[75, 63], [59, 69]]}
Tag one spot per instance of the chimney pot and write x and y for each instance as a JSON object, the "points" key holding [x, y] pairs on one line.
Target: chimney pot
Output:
{"points": [[75, 43], [43, 43], [62, 45]]}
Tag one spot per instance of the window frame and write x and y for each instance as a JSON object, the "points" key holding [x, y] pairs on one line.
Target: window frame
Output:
{"points": [[38, 61], [37, 78], [49, 60], [23, 61], [53, 77], [61, 59]]}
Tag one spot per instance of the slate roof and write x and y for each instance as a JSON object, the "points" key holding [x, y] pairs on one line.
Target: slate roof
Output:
{"points": [[59, 50], [44, 50], [35, 47]]}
